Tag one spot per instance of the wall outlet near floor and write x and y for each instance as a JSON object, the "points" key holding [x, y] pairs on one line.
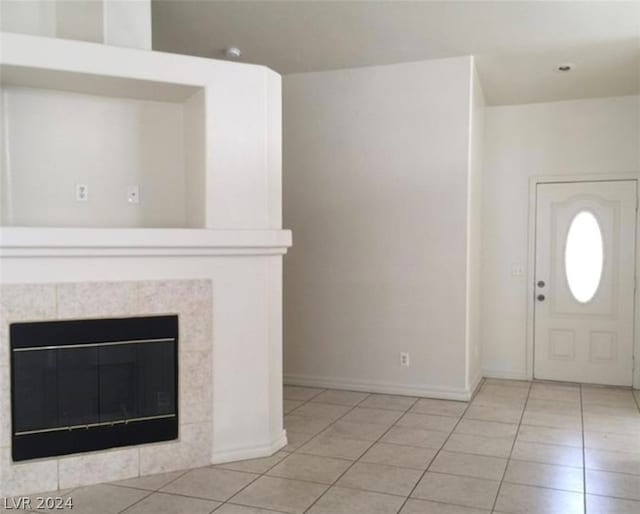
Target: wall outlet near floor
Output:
{"points": [[133, 194], [82, 193], [404, 359]]}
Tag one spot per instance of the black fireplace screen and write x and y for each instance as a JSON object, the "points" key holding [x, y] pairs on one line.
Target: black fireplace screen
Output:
{"points": [[86, 385]]}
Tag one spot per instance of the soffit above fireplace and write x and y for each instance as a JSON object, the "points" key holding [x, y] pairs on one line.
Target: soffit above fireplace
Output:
{"points": [[201, 138]]}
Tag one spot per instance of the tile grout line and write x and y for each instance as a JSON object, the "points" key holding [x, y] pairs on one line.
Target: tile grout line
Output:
{"points": [[137, 501], [459, 419], [376, 491], [441, 447], [150, 492], [546, 463], [359, 459], [214, 466], [245, 506], [513, 445], [333, 484], [258, 476], [310, 400], [261, 475]]}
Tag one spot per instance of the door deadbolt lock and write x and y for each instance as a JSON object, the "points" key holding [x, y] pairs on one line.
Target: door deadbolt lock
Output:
{"points": [[541, 298], [541, 283]]}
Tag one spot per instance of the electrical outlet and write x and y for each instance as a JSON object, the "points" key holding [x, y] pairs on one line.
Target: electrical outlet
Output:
{"points": [[82, 193], [404, 359], [133, 194]]}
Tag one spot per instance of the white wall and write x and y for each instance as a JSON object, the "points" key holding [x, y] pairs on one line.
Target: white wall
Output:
{"points": [[241, 120], [82, 20], [474, 235], [124, 23], [376, 171], [577, 137], [127, 23], [195, 159], [55, 140], [36, 17]]}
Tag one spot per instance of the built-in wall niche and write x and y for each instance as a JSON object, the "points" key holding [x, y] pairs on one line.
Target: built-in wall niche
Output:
{"points": [[82, 150]]}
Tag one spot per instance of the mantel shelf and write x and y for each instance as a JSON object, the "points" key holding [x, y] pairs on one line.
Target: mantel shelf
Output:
{"points": [[51, 242]]}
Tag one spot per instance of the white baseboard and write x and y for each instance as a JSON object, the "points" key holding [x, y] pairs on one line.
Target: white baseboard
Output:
{"points": [[252, 452], [506, 375], [367, 386], [475, 384]]}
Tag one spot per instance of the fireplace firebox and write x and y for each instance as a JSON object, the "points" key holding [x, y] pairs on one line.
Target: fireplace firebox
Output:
{"points": [[84, 385]]}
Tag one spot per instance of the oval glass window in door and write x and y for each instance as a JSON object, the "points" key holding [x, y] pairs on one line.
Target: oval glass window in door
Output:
{"points": [[583, 258]]}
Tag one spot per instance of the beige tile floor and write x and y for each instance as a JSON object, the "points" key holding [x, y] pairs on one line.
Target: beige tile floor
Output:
{"points": [[518, 447]]}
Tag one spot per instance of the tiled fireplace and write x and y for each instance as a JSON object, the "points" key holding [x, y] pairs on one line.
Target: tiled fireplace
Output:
{"points": [[92, 384], [189, 300]]}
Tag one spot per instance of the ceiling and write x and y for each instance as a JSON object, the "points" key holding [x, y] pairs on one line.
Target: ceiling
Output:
{"points": [[516, 43]]}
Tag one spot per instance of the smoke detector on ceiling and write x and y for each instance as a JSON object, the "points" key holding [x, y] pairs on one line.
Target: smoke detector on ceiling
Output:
{"points": [[233, 52], [563, 68]]}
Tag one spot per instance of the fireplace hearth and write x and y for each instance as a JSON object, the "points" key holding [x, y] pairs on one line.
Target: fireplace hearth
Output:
{"points": [[93, 384]]}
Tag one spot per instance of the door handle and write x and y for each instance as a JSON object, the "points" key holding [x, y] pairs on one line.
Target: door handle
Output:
{"points": [[541, 297]]}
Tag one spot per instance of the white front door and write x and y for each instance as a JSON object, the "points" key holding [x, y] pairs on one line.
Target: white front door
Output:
{"points": [[585, 280]]}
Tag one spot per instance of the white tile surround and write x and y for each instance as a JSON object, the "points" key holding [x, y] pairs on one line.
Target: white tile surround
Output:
{"points": [[191, 300]]}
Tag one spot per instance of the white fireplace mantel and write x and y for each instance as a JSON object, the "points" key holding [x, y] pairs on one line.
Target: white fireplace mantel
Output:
{"points": [[88, 242]]}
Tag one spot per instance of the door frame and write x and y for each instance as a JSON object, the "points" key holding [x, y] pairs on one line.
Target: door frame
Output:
{"points": [[531, 256]]}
